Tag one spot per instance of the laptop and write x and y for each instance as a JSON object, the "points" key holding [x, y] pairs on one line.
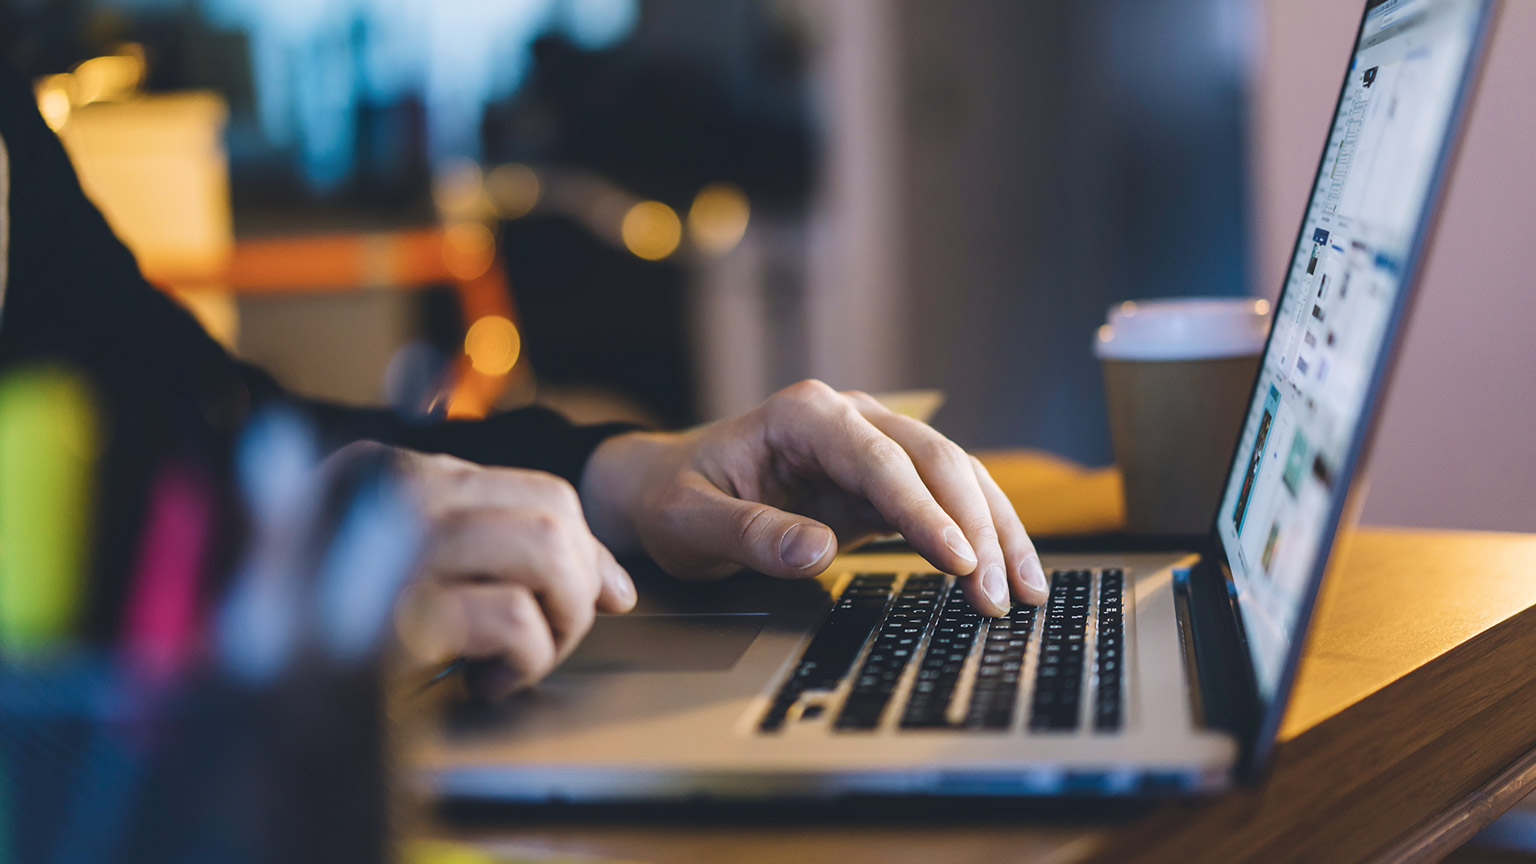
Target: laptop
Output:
{"points": [[1145, 672]]}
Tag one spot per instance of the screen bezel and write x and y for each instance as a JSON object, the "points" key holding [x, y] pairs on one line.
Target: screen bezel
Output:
{"points": [[1270, 712]]}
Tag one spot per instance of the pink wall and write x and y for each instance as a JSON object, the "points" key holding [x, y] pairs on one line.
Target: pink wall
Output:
{"points": [[1456, 443]]}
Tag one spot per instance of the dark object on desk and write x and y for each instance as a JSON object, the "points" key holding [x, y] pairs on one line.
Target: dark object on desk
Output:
{"points": [[97, 771]]}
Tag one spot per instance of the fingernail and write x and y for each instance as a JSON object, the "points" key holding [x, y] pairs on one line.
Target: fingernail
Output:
{"points": [[623, 587], [1034, 574], [804, 545], [957, 544], [995, 585]]}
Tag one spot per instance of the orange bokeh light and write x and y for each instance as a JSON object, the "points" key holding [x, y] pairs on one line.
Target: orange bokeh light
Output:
{"points": [[493, 345]]}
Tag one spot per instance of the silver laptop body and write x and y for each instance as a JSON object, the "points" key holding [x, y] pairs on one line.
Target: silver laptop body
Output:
{"points": [[1147, 672]]}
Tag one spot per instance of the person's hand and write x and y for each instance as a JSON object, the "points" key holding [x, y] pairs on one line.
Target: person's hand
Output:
{"points": [[511, 573], [776, 489]]}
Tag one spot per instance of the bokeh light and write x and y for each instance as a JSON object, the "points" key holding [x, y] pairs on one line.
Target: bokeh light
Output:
{"points": [[514, 190], [109, 78], [469, 249], [651, 230], [493, 345], [54, 99], [458, 190], [718, 218]]}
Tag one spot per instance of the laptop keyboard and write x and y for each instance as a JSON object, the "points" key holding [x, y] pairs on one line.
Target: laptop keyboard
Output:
{"points": [[837, 644], [894, 647], [970, 670]]}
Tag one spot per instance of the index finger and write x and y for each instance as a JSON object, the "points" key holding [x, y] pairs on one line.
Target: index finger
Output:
{"points": [[823, 428], [948, 472]]}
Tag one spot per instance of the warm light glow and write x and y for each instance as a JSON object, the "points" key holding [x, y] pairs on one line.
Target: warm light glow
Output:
{"points": [[108, 79], [54, 101], [651, 230], [458, 190], [1261, 306], [493, 345], [469, 248], [718, 218], [514, 190]]}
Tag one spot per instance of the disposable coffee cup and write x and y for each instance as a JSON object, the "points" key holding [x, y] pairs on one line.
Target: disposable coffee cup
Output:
{"points": [[1177, 375]]}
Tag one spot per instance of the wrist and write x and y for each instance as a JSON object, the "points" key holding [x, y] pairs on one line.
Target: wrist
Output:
{"points": [[612, 484]]}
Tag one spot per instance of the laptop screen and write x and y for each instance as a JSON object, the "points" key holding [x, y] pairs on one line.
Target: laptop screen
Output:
{"points": [[1341, 291]]}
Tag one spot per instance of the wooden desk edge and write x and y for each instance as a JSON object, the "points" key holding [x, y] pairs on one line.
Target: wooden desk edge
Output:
{"points": [[1443, 834], [1360, 781]]}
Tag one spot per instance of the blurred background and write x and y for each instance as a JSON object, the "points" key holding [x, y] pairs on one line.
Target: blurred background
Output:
{"points": [[664, 210]]}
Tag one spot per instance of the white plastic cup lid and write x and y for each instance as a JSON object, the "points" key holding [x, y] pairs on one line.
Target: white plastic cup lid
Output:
{"points": [[1184, 329]]}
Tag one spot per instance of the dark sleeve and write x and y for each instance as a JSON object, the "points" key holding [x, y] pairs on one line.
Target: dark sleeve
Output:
{"points": [[75, 295]]}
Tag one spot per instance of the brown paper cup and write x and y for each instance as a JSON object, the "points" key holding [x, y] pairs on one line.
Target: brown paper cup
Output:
{"points": [[1173, 425], [1177, 376]]}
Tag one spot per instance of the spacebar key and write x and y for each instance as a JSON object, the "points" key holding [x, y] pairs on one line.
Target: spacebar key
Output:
{"points": [[836, 645]]}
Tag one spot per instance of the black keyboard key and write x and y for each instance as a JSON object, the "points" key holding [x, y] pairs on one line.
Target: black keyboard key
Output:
{"points": [[996, 688], [894, 646], [1109, 659], [954, 635], [1059, 672], [836, 645]]}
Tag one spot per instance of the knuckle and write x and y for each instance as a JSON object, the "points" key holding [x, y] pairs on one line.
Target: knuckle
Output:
{"points": [[547, 528], [984, 533], [749, 523], [551, 486], [550, 540], [886, 455], [567, 495], [811, 388], [458, 480], [810, 392], [946, 454]]}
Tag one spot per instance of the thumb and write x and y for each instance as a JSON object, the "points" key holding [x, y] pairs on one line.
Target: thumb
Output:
{"points": [[717, 526]]}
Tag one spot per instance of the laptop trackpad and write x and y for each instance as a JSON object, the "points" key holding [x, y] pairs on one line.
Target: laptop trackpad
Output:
{"points": [[666, 643]]}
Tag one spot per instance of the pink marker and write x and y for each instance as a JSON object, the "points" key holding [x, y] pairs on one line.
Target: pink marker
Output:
{"points": [[162, 620]]}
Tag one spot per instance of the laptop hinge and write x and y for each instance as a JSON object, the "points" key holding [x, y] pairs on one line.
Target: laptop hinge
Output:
{"points": [[1225, 693]]}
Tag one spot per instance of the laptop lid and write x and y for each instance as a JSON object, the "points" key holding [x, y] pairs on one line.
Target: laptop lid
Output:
{"points": [[1338, 319]]}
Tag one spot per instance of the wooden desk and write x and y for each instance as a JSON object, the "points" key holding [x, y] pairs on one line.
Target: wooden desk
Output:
{"points": [[1412, 726]]}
